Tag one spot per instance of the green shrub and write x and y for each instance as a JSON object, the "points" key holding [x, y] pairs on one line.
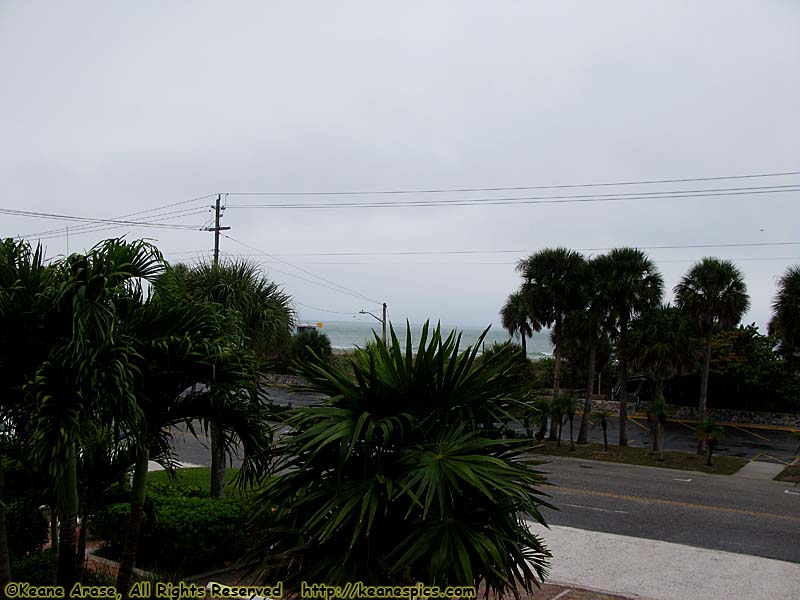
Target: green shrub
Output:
{"points": [[35, 568], [308, 343], [183, 530], [26, 525]]}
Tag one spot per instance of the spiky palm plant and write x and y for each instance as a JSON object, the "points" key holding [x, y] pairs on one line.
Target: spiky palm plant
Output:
{"points": [[713, 295], [629, 284], [400, 475]]}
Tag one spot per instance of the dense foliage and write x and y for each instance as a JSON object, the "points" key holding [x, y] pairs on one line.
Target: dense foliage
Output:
{"points": [[400, 477], [184, 530]]}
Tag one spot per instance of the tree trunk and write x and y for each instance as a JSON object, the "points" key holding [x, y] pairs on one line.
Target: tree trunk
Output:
{"points": [[524, 343], [704, 388], [554, 427], [661, 435], [67, 550], [583, 432], [658, 394], [704, 378], [542, 428], [622, 381], [560, 427], [605, 437], [81, 556], [656, 430], [138, 493], [217, 463], [54, 540], [710, 450], [571, 442], [5, 559]]}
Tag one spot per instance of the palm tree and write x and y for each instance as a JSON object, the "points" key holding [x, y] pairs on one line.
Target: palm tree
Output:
{"points": [[568, 406], [714, 296], [24, 282], [90, 371], [602, 418], [629, 284], [553, 286], [785, 322], [709, 433], [659, 341], [400, 456], [260, 305], [586, 330], [516, 320], [182, 342]]}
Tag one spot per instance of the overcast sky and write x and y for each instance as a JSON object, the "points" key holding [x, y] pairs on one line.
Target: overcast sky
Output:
{"points": [[115, 107]]}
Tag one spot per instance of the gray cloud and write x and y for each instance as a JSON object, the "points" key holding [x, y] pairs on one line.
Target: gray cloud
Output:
{"points": [[110, 108]]}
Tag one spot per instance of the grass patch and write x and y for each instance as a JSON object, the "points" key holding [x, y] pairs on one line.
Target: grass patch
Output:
{"points": [[192, 476], [725, 465], [790, 474]]}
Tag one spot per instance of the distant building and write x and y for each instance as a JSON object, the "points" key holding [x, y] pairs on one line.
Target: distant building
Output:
{"points": [[306, 327]]}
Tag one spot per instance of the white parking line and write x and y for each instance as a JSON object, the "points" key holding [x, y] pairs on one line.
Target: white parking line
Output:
{"points": [[619, 512], [686, 480], [792, 493]]}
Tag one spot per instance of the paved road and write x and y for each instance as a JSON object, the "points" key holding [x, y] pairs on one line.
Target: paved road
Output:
{"points": [[707, 511], [710, 511]]}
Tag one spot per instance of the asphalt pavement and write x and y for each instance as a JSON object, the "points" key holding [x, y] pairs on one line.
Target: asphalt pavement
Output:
{"points": [[758, 517]]}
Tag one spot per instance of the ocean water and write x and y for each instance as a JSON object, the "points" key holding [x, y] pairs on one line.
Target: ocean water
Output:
{"points": [[345, 335]]}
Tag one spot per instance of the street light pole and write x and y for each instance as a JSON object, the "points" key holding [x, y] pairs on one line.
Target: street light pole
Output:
{"points": [[380, 320]]}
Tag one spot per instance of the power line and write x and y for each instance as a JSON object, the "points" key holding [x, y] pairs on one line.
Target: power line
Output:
{"points": [[528, 250], [526, 187], [161, 217], [325, 310], [94, 220], [138, 212], [343, 288], [578, 199], [474, 263]]}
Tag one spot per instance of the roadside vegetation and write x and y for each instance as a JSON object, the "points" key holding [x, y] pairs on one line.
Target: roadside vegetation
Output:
{"points": [[416, 468], [724, 465]]}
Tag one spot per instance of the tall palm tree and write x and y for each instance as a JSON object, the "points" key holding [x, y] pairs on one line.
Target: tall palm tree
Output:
{"points": [[90, 371], [24, 283], [659, 341], [585, 329], [629, 283], [785, 322], [260, 305], [713, 295], [516, 320], [553, 286], [180, 343]]}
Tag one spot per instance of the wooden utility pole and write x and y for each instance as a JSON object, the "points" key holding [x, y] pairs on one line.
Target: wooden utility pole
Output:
{"points": [[383, 325], [217, 450], [216, 228]]}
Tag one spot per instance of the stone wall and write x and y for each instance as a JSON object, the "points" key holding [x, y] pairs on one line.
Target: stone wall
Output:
{"points": [[719, 415]]}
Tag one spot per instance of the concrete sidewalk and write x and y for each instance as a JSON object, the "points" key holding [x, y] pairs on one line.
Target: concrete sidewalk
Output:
{"points": [[658, 570]]}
